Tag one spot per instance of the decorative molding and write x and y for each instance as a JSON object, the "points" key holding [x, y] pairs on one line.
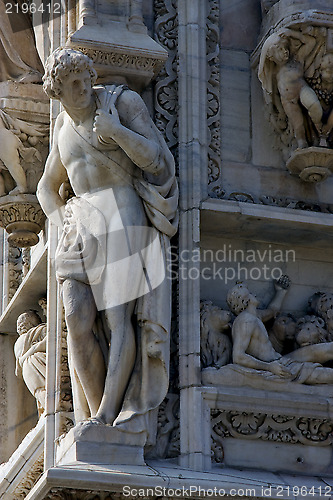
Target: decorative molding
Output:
{"points": [[30, 479], [213, 94], [166, 85], [275, 201], [123, 60], [14, 270], [168, 436], [71, 494], [26, 261], [277, 428], [166, 120]]}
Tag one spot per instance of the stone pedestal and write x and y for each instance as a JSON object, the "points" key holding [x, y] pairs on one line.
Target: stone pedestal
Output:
{"points": [[22, 218], [313, 164], [100, 444]]}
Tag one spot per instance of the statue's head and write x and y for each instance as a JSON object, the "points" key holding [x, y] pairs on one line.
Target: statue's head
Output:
{"points": [[326, 68], [26, 321], [322, 304], [213, 317], [277, 49], [61, 65], [238, 298], [284, 327], [310, 330]]}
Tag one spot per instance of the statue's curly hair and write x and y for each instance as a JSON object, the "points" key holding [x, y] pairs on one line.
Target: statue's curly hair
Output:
{"points": [[235, 299], [60, 64], [27, 320]]}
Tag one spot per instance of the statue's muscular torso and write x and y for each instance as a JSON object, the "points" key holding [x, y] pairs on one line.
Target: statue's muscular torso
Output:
{"points": [[253, 337], [87, 176]]}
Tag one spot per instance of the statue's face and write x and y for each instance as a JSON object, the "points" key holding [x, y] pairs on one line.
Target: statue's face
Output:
{"points": [[76, 91], [279, 52], [327, 69], [285, 328]]}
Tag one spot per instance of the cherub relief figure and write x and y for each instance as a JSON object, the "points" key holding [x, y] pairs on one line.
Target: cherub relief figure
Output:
{"points": [[17, 141], [322, 84], [30, 353], [215, 343], [310, 330], [282, 333], [287, 57], [19, 62], [321, 303]]}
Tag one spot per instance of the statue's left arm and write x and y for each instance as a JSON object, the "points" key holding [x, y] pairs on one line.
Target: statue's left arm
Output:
{"points": [[281, 288], [38, 347], [133, 131]]}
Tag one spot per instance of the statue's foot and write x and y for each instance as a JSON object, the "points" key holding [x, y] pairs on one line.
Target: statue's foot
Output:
{"points": [[106, 419], [32, 77], [95, 421], [18, 190]]}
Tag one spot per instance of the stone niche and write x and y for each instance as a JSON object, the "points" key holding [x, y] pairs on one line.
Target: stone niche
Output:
{"points": [[271, 425]]}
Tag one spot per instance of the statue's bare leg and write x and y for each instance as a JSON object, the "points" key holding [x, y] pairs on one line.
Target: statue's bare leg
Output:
{"points": [[121, 360], [318, 353], [85, 354], [296, 119], [321, 375]]}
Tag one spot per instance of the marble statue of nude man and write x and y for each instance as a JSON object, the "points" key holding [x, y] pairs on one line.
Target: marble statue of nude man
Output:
{"points": [[126, 195], [253, 349]]}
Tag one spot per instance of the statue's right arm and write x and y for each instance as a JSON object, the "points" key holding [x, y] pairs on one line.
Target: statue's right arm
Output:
{"points": [[54, 175]]}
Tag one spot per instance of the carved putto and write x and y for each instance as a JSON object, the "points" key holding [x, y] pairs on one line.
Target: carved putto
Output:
{"points": [[296, 75]]}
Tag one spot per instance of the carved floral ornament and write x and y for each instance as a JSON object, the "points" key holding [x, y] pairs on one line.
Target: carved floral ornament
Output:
{"points": [[23, 220], [296, 74], [277, 428]]}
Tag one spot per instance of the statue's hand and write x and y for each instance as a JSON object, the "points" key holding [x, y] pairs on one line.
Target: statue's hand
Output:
{"points": [[106, 124], [283, 283], [278, 369]]}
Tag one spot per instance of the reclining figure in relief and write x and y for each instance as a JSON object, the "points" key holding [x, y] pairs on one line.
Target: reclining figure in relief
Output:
{"points": [[253, 353]]}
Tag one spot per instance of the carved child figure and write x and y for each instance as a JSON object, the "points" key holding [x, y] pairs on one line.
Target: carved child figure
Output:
{"points": [[215, 344], [30, 353], [325, 93], [310, 330], [282, 334], [285, 57]]}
